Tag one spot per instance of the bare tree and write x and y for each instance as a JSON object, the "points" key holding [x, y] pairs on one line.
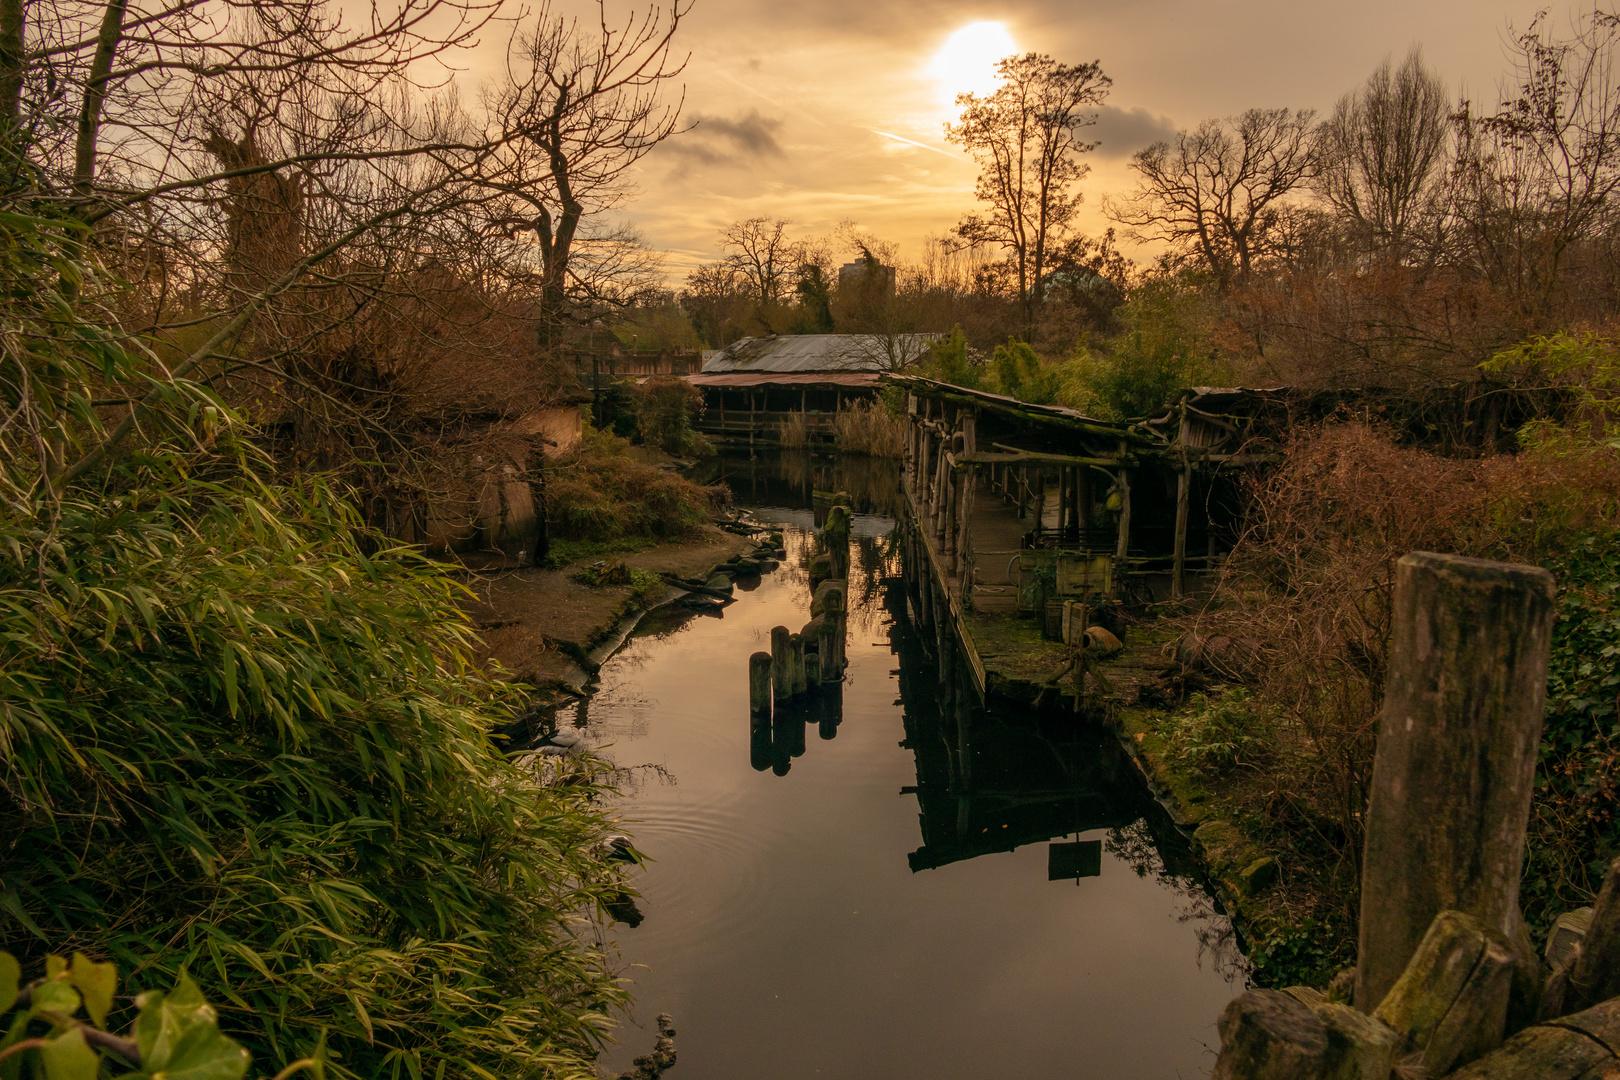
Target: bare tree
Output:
{"points": [[581, 107], [1383, 156], [1536, 181], [759, 249], [1026, 138], [1217, 193]]}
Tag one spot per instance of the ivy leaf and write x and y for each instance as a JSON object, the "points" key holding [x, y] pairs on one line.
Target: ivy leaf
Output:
{"points": [[178, 1035], [69, 1057], [10, 976], [54, 966], [54, 997], [97, 983]]}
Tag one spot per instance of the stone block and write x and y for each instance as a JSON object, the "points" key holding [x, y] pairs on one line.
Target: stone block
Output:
{"points": [[1450, 1004], [1257, 876]]}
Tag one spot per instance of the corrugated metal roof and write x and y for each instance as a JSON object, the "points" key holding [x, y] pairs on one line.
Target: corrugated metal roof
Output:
{"points": [[820, 352], [802, 378]]}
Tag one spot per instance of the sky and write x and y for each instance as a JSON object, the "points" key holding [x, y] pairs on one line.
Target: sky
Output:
{"points": [[820, 111]]}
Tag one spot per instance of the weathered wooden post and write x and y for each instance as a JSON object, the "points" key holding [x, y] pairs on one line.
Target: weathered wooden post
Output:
{"points": [[796, 664], [1595, 976], [1456, 760], [1179, 565], [781, 679], [759, 683]]}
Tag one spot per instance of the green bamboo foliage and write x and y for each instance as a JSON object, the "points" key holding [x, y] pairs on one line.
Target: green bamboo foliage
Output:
{"points": [[242, 738]]}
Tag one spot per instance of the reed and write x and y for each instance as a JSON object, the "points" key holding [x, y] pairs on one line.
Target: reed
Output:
{"points": [[867, 427]]}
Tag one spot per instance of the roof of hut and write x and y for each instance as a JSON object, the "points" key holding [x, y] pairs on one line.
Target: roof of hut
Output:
{"points": [[819, 352]]}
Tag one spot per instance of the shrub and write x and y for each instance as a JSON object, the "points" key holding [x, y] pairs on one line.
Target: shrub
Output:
{"points": [[665, 406], [242, 736], [598, 493]]}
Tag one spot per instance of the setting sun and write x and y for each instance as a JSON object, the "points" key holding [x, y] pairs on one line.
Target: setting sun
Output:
{"points": [[966, 63]]}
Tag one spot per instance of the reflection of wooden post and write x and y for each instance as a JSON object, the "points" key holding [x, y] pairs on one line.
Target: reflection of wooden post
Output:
{"points": [[1183, 482], [759, 683], [1456, 759]]}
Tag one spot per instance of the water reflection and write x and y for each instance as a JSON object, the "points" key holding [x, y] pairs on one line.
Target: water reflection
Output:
{"points": [[881, 905], [775, 740]]}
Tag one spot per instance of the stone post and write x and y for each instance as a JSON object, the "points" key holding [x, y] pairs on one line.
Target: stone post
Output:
{"points": [[759, 683], [781, 680]]}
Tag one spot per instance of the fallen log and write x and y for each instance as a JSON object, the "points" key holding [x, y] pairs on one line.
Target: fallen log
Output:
{"points": [[688, 585]]}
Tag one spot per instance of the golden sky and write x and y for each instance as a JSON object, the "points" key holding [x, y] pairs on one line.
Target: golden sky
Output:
{"points": [[801, 106]]}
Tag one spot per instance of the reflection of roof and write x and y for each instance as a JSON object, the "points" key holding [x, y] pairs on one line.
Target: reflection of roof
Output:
{"points": [[804, 378], [820, 352]]}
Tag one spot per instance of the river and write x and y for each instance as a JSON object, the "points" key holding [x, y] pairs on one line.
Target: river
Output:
{"points": [[866, 887]]}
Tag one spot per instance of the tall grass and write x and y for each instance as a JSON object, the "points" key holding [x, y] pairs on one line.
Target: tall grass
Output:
{"points": [[867, 427], [794, 432]]}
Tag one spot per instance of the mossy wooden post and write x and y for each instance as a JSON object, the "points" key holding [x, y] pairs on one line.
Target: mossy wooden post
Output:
{"points": [[759, 683], [1595, 976], [1456, 758], [781, 679], [796, 664]]}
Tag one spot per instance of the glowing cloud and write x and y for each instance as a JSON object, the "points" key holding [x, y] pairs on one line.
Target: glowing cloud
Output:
{"points": [[966, 63]]}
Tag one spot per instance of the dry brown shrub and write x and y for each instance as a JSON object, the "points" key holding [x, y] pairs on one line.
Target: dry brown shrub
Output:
{"points": [[1305, 598]]}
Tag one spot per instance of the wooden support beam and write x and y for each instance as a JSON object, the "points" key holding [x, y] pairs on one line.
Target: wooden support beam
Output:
{"points": [[1122, 549], [1177, 572], [1013, 454], [1456, 761]]}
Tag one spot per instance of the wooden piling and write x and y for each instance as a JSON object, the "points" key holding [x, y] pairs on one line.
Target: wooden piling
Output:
{"points": [[759, 683], [1595, 976], [1456, 759], [796, 683], [781, 680]]}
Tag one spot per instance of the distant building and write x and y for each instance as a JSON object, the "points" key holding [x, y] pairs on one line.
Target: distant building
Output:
{"points": [[753, 386]]}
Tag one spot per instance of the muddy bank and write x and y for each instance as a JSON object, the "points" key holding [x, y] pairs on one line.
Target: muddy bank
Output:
{"points": [[545, 628]]}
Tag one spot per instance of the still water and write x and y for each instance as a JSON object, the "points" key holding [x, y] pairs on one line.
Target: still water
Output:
{"points": [[864, 888]]}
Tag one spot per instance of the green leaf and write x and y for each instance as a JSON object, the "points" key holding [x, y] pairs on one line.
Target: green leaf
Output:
{"points": [[10, 976], [55, 966], [97, 983], [179, 1037], [11, 1067], [69, 1057], [54, 997]]}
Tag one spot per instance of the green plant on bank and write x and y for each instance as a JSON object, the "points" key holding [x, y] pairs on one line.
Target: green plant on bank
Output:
{"points": [[666, 407], [598, 494], [172, 1034], [1217, 732], [243, 737]]}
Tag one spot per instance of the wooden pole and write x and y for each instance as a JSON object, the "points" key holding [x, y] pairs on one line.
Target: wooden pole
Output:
{"points": [[781, 677], [796, 664], [1122, 549], [1177, 572], [759, 683], [1457, 743]]}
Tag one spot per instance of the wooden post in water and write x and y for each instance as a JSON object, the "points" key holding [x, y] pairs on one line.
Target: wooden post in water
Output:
{"points": [[796, 664], [759, 683], [1456, 760], [781, 679]]}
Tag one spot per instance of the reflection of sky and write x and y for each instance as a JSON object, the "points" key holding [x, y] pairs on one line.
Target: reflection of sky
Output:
{"points": [[791, 97], [788, 937]]}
